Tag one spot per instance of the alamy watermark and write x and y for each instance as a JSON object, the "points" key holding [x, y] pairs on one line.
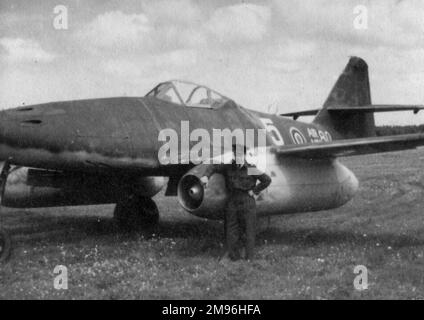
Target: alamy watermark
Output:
{"points": [[360, 21], [360, 282], [199, 147], [60, 20], [60, 281]]}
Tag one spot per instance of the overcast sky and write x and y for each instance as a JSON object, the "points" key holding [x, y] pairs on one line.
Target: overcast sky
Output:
{"points": [[287, 52]]}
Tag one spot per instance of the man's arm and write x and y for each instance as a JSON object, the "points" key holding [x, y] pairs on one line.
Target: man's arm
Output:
{"points": [[214, 168], [210, 170], [264, 182]]}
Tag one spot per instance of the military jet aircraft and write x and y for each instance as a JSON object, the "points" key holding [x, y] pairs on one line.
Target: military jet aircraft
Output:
{"points": [[106, 150]]}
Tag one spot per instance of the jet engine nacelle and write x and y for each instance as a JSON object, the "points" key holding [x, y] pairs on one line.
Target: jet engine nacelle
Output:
{"points": [[298, 185], [203, 202], [32, 188]]}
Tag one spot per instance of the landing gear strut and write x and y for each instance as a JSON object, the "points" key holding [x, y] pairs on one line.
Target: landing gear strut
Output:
{"points": [[136, 213], [5, 242]]}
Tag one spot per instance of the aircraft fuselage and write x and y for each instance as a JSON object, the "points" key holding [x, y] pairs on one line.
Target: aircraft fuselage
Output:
{"points": [[114, 134]]}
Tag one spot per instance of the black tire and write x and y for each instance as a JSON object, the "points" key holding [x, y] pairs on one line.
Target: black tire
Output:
{"points": [[136, 213], [5, 246]]}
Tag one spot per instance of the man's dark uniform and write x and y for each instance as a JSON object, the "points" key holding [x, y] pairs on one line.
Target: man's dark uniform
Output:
{"points": [[240, 213]]}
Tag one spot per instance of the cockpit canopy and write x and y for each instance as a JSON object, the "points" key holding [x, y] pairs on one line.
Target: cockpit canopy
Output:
{"points": [[188, 94]]}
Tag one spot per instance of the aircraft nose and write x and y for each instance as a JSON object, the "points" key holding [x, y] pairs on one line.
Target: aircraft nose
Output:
{"points": [[19, 128]]}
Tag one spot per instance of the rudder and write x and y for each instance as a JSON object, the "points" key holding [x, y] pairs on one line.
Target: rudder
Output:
{"points": [[352, 89]]}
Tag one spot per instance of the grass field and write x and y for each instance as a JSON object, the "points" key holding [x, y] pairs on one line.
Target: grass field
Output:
{"points": [[305, 256]]}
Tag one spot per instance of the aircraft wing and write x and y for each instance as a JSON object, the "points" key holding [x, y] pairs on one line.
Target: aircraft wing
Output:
{"points": [[358, 109], [377, 108], [352, 147]]}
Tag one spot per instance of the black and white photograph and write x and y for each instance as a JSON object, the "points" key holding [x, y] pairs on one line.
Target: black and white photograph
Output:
{"points": [[226, 152]]}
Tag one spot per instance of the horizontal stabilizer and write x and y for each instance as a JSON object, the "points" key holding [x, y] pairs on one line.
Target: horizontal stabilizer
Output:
{"points": [[351, 147], [358, 109], [296, 115]]}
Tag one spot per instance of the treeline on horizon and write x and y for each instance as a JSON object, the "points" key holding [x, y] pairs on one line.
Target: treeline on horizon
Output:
{"points": [[393, 130]]}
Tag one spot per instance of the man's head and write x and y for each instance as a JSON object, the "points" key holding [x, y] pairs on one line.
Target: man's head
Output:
{"points": [[239, 153]]}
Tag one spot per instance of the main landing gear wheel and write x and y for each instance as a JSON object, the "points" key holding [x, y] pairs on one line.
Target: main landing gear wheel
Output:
{"points": [[136, 213], [5, 246]]}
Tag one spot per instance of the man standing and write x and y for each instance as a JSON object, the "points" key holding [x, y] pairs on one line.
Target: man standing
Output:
{"points": [[240, 215]]}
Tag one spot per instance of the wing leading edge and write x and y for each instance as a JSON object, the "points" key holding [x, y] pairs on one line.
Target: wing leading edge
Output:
{"points": [[352, 147], [358, 109]]}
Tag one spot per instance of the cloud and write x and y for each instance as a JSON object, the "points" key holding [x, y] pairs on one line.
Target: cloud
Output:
{"points": [[116, 29], [173, 25], [24, 50], [173, 12], [288, 56], [289, 51], [390, 22], [243, 22], [171, 62], [157, 29]]}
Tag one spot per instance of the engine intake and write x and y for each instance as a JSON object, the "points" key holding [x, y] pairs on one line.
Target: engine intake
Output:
{"points": [[203, 202]]}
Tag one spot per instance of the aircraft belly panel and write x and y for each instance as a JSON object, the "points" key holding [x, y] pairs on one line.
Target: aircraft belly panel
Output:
{"points": [[31, 188]]}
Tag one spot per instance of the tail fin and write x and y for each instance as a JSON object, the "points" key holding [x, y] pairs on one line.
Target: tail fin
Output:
{"points": [[352, 89]]}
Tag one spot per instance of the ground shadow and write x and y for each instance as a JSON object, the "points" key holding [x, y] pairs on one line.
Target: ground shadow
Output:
{"points": [[71, 229], [203, 236]]}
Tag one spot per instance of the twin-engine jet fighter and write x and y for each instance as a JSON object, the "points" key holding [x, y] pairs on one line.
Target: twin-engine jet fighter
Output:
{"points": [[107, 150]]}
